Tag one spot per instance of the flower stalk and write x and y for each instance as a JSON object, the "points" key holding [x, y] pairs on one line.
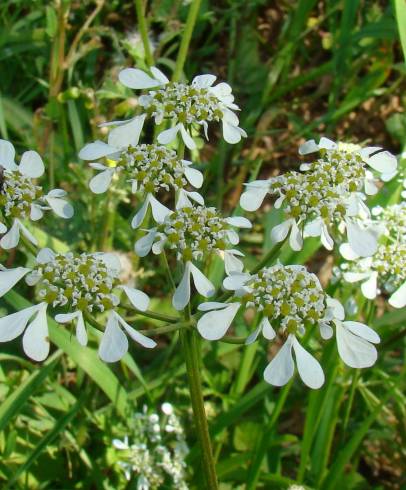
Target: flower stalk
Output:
{"points": [[191, 352], [142, 24]]}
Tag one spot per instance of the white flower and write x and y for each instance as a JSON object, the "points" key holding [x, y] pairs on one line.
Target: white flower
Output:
{"points": [[21, 199], [185, 105], [194, 233], [82, 284], [290, 298]]}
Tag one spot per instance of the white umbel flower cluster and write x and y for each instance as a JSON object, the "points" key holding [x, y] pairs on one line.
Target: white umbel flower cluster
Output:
{"points": [[328, 196], [185, 106], [21, 199], [156, 455], [195, 233], [78, 285], [386, 270], [289, 301], [150, 169]]}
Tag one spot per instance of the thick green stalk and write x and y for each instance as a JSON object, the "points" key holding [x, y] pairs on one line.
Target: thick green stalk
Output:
{"points": [[186, 37], [191, 352], [142, 25]]}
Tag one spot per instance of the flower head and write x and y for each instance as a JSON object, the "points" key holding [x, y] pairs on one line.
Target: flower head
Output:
{"points": [[21, 198], [328, 195], [79, 285], [289, 301], [195, 233], [185, 105]]}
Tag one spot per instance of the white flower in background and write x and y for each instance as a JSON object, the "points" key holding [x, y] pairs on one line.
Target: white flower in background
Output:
{"points": [[386, 269], [391, 220], [195, 233], [289, 300], [21, 199], [187, 106], [155, 458], [79, 285]]}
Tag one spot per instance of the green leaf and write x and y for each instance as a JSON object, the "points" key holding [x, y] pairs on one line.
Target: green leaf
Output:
{"points": [[400, 10]]}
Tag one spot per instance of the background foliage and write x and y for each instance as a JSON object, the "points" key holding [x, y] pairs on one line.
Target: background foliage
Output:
{"points": [[299, 69]]}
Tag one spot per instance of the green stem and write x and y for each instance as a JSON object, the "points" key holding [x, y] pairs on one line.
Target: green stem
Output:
{"points": [[142, 25], [155, 316], [350, 401], [186, 37], [190, 344]]}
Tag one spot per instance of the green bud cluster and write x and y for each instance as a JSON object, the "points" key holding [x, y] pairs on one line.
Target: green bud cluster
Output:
{"points": [[153, 167], [84, 282], [17, 193], [182, 103], [290, 295]]}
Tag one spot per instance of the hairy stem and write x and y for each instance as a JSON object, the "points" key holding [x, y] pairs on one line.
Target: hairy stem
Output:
{"points": [[186, 37], [190, 344], [142, 25]]}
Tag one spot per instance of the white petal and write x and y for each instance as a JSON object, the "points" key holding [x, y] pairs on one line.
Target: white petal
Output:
{"points": [[362, 331], [398, 298], [239, 222], [354, 351], [137, 298], [314, 228], [214, 324], [356, 276], [203, 81], [309, 368], [202, 284], [159, 211], [111, 260], [327, 144], [370, 188], [326, 239], [11, 326], [28, 235], [159, 75], [36, 212], [231, 263], [347, 252], [139, 217], [7, 155], [195, 177], [45, 255], [308, 147], [137, 79], [267, 330], [60, 207], [98, 149], [143, 245], [281, 368], [280, 232], [114, 343], [336, 307], [253, 197], [187, 139], [211, 305], [233, 237], [137, 336], [120, 444], [12, 237], [236, 281], [295, 238], [127, 134], [167, 136], [232, 134], [67, 317], [3, 228], [182, 294], [101, 182], [10, 277], [31, 164], [363, 242], [221, 90], [369, 288], [252, 337], [326, 331], [35, 338], [383, 161]]}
